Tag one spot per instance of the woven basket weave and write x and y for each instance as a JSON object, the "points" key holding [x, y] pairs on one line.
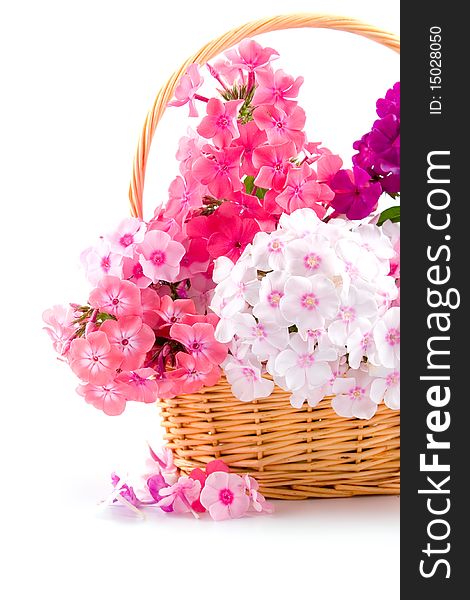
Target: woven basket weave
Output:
{"points": [[293, 453]]}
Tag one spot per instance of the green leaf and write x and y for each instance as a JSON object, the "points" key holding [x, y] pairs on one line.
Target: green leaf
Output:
{"points": [[249, 182], [392, 214]]}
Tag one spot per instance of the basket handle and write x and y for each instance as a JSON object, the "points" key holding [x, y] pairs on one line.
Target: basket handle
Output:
{"points": [[219, 45]]}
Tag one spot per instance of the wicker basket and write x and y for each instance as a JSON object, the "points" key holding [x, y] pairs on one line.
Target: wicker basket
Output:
{"points": [[293, 453]]}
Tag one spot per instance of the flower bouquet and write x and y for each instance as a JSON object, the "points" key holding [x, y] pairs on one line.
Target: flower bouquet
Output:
{"points": [[260, 303]]}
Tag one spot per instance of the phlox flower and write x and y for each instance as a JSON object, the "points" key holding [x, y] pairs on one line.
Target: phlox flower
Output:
{"points": [[271, 290], [199, 341], [360, 344], [386, 386], [327, 166], [180, 495], [185, 194], [190, 375], [139, 385], [110, 398], [132, 338], [189, 149], [268, 251], [300, 365], [250, 137], [212, 466], [359, 263], [250, 55], [232, 237], [276, 88], [129, 232], [59, 325], [301, 222], [186, 89], [93, 359], [387, 338], [160, 256], [281, 126], [132, 271], [353, 395], [308, 302], [100, 261], [273, 163], [357, 306], [175, 311], [220, 124], [258, 501], [116, 297], [355, 195], [201, 291], [303, 191], [246, 380], [220, 171], [311, 255], [374, 239], [150, 302], [265, 338], [224, 496], [240, 287]]}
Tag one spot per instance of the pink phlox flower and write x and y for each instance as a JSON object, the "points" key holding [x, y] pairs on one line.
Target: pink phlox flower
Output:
{"points": [[59, 325], [302, 191], [180, 495], [252, 207], [196, 258], [175, 311], [250, 55], [110, 398], [93, 359], [355, 195], [281, 126], [352, 397], [186, 89], [184, 195], [220, 171], [220, 124], [276, 88], [224, 496], [129, 232], [155, 483], [100, 260], [132, 338], [273, 163], [258, 501], [150, 302], [160, 256], [232, 237], [125, 491], [250, 138], [172, 226], [189, 149], [140, 385], [225, 73], [164, 459], [191, 375], [201, 291], [212, 466], [200, 342], [132, 271], [116, 297], [327, 166]]}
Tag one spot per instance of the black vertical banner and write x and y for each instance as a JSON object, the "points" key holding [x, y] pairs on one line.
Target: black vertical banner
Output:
{"points": [[435, 418]]}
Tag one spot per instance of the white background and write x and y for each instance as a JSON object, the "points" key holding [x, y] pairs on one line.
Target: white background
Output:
{"points": [[77, 79]]}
